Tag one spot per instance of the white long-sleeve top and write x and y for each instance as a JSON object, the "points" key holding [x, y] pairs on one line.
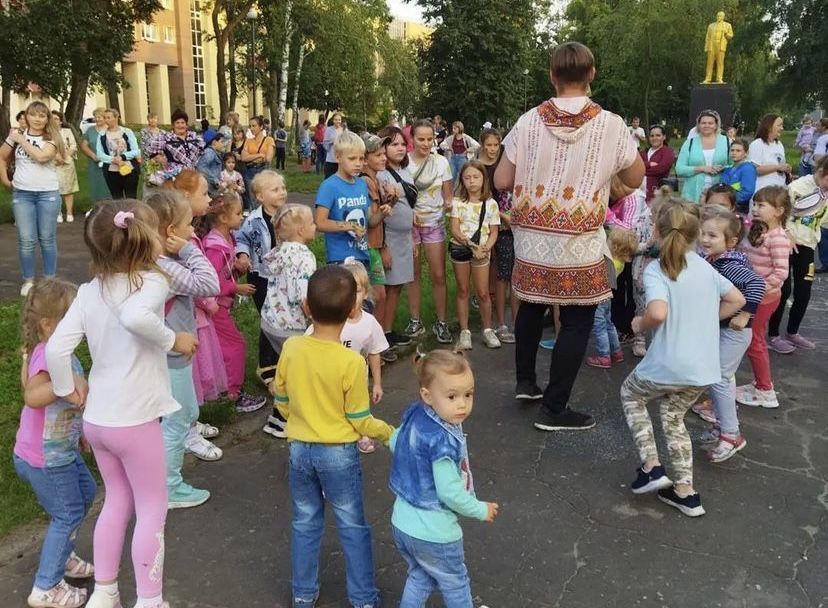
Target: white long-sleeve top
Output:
{"points": [[129, 383]]}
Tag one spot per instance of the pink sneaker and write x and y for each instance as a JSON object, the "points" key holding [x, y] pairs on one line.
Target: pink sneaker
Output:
{"points": [[780, 345], [799, 342], [599, 361], [617, 356], [704, 410]]}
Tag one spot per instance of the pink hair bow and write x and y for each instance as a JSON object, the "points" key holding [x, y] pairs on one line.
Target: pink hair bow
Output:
{"points": [[121, 218]]}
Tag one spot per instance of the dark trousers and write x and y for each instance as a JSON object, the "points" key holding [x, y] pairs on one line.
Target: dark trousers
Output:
{"points": [[320, 158], [567, 356], [623, 303], [823, 249], [280, 158], [121, 186], [801, 276], [267, 354], [330, 169]]}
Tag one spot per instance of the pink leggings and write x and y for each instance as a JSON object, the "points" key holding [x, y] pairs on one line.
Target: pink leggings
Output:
{"points": [[233, 349], [132, 465]]}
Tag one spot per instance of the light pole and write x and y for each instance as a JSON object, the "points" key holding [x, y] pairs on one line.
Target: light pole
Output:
{"points": [[525, 76], [252, 15]]}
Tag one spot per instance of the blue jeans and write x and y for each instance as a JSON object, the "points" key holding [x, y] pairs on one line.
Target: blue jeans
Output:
{"points": [[456, 161], [604, 332], [248, 198], [733, 345], [320, 472], [433, 565], [35, 214], [176, 426], [65, 493], [320, 158]]}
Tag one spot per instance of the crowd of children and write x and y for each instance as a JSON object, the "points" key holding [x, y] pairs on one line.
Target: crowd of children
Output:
{"points": [[163, 340]]}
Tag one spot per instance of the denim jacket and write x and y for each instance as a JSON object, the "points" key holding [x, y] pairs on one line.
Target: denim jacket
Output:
{"points": [[425, 438], [253, 238]]}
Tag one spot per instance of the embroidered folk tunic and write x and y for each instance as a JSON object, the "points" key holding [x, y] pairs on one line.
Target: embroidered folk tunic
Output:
{"points": [[564, 160]]}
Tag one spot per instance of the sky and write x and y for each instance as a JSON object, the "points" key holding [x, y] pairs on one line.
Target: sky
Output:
{"points": [[407, 11]]}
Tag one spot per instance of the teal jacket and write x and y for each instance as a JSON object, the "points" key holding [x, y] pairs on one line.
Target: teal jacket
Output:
{"points": [[690, 157]]}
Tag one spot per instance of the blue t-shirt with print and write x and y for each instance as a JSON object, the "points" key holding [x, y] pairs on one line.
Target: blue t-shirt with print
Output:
{"points": [[345, 202]]}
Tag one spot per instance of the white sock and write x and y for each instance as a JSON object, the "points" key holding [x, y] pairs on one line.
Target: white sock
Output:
{"points": [[111, 588], [149, 602]]}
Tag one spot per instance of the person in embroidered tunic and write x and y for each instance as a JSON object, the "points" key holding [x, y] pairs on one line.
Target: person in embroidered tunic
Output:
{"points": [[559, 159]]}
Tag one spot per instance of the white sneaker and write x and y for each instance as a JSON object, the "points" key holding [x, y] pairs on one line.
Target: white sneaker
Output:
{"points": [[203, 449], [464, 342], [60, 218], [753, 397], [490, 338], [26, 288]]}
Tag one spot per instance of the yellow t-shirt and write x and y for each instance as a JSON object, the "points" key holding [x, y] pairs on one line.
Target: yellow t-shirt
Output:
{"points": [[322, 393]]}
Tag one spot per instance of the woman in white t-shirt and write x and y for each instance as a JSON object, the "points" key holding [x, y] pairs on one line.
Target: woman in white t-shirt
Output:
{"points": [[34, 186], [768, 153], [67, 173]]}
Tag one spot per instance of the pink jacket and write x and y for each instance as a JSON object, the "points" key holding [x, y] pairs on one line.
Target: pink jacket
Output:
{"points": [[770, 260], [222, 255]]}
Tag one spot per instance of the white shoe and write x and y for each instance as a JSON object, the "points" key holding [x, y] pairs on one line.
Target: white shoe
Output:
{"points": [[490, 339], [26, 288], [102, 599], [208, 431], [753, 397], [203, 449], [464, 342], [60, 218], [70, 219]]}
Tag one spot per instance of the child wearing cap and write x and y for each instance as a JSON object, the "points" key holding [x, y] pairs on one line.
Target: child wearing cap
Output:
{"points": [[210, 164]]}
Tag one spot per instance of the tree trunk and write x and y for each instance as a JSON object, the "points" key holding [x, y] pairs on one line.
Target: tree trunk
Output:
{"points": [[234, 86], [221, 40], [77, 97], [112, 98], [5, 109], [272, 94], [295, 103], [283, 84]]}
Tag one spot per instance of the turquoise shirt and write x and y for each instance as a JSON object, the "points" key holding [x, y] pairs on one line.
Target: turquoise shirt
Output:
{"points": [[438, 526], [691, 156]]}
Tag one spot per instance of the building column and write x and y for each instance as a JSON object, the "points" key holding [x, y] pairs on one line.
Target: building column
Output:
{"points": [[135, 95], [159, 92]]}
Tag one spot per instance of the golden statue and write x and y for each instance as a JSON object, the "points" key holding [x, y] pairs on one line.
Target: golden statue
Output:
{"points": [[715, 45]]}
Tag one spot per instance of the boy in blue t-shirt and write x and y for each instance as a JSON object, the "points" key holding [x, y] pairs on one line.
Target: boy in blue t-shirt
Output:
{"points": [[343, 203]]}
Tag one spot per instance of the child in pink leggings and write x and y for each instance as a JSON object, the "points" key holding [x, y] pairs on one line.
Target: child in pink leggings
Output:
{"points": [[121, 315]]}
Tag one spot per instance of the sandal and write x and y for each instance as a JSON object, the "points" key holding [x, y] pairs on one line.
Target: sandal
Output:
{"points": [[208, 431], [78, 568], [204, 449], [728, 446], [62, 595]]}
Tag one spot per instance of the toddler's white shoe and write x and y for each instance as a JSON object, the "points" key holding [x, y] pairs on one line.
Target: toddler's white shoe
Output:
{"points": [[102, 599]]}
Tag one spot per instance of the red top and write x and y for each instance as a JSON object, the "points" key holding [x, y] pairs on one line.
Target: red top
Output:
{"points": [[657, 167]]}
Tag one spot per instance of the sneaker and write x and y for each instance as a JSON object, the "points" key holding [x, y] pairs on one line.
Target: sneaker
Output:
{"points": [[505, 335], [186, 496], [414, 329], [548, 344], [442, 331], [754, 397], [102, 599], [62, 595], [60, 219], [625, 338], [528, 391], [395, 339], [650, 481], [617, 356], [704, 410], [639, 346], [464, 342], [203, 449], [780, 345], [599, 361], [567, 420], [70, 219], [26, 288], [490, 338], [208, 431], [728, 445], [247, 403], [388, 355], [266, 375], [689, 505], [800, 342], [275, 427]]}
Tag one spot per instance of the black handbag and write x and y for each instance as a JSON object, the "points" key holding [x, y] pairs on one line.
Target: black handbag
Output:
{"points": [[409, 189], [464, 253]]}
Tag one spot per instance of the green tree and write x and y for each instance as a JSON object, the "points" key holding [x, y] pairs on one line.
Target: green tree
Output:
{"points": [[802, 54]]}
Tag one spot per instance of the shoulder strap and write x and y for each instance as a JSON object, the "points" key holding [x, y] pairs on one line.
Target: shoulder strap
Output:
{"points": [[422, 168], [476, 236]]}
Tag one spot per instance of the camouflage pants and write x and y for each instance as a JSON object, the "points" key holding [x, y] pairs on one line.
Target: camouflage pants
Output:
{"points": [[675, 401]]}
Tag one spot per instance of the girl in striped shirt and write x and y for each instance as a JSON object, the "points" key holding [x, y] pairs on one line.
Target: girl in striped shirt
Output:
{"points": [[767, 248], [721, 232]]}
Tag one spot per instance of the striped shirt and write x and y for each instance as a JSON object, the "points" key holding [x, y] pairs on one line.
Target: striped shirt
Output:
{"points": [[770, 260], [734, 266]]}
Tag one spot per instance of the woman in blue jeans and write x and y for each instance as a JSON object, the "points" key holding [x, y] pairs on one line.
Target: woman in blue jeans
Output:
{"points": [[34, 186]]}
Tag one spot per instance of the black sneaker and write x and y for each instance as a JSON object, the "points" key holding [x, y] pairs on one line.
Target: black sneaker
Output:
{"points": [[442, 331], [689, 505], [395, 339], [567, 420], [528, 391], [389, 355], [656, 479]]}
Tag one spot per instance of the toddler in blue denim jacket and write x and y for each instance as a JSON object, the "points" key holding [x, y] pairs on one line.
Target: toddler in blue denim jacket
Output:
{"points": [[432, 481]]}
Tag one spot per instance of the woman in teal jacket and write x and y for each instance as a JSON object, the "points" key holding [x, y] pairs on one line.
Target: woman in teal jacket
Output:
{"points": [[702, 157]]}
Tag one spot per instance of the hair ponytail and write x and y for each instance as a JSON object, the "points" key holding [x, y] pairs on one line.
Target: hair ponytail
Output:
{"points": [[678, 226]]}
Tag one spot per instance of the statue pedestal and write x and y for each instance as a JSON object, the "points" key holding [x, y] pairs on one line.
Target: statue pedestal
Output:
{"points": [[719, 97]]}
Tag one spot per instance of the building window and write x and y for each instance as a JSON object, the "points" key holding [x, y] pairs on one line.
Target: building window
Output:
{"points": [[198, 59], [149, 32], [169, 34]]}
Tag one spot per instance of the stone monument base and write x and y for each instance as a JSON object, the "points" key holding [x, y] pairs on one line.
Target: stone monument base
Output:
{"points": [[719, 97]]}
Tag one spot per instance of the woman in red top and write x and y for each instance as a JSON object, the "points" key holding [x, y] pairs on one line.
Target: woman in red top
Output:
{"points": [[318, 138], [658, 160]]}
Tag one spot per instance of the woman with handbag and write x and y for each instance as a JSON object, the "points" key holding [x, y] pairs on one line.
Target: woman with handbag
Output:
{"points": [[117, 150], [257, 153], [702, 157], [658, 161]]}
